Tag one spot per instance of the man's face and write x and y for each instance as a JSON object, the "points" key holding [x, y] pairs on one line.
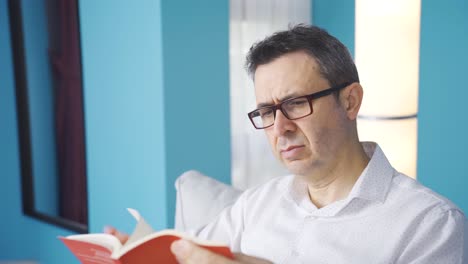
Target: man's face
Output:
{"points": [[312, 142]]}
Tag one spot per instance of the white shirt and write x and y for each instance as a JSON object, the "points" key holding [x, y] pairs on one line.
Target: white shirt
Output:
{"points": [[386, 218]]}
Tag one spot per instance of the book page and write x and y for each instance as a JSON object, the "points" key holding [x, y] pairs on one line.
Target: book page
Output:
{"points": [[142, 229], [108, 241]]}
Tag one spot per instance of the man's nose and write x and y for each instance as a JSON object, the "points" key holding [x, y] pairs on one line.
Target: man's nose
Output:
{"points": [[282, 124]]}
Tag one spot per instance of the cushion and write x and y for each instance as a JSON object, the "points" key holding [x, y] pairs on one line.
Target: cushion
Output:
{"points": [[465, 243], [200, 199]]}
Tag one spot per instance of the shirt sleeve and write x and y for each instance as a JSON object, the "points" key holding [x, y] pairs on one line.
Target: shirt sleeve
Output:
{"points": [[438, 239], [228, 226]]}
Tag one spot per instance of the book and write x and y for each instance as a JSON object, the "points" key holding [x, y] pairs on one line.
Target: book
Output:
{"points": [[143, 246]]}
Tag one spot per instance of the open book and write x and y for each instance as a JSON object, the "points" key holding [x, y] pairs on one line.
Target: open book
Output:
{"points": [[143, 246]]}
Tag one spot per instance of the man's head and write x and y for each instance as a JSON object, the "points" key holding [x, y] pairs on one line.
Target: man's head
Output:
{"points": [[335, 63], [297, 62]]}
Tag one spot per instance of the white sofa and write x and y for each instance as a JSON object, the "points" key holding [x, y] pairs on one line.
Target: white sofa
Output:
{"points": [[465, 243], [199, 199]]}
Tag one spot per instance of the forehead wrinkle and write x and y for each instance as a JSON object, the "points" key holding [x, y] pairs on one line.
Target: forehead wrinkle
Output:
{"points": [[279, 100], [288, 76]]}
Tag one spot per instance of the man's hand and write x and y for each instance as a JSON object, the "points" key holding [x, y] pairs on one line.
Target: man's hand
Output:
{"points": [[188, 253], [113, 231]]}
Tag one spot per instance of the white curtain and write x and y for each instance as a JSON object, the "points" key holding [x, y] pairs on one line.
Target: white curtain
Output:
{"points": [[250, 21]]}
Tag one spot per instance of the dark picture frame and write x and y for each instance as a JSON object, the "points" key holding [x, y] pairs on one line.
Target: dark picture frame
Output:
{"points": [[24, 134]]}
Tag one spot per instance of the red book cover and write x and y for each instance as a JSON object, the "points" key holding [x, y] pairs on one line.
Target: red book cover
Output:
{"points": [[155, 250], [89, 253], [143, 246]]}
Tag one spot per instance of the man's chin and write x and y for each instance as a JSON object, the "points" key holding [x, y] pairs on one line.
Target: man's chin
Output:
{"points": [[300, 167]]}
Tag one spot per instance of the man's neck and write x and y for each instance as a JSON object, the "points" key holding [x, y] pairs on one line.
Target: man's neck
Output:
{"points": [[336, 182]]}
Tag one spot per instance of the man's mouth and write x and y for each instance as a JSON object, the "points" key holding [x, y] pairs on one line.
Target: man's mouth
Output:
{"points": [[291, 152]]}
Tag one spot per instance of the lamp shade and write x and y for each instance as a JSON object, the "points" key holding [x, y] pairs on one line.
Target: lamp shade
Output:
{"points": [[387, 57]]}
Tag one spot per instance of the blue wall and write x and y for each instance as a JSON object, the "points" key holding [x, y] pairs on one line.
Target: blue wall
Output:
{"points": [[145, 125], [123, 97], [337, 17], [196, 94], [443, 116]]}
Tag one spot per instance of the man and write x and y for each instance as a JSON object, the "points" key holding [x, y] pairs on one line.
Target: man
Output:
{"points": [[344, 202]]}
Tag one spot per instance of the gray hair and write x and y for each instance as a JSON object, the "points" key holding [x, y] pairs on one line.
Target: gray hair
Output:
{"points": [[334, 60]]}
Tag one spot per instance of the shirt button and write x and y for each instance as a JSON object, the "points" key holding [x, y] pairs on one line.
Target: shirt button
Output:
{"points": [[310, 217]]}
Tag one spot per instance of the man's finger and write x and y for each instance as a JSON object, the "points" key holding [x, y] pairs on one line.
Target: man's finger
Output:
{"points": [[119, 235], [188, 253]]}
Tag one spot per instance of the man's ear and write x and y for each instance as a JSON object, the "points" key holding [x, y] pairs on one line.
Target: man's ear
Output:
{"points": [[351, 99]]}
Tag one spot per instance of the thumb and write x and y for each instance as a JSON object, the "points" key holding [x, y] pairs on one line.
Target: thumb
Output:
{"points": [[122, 237], [188, 253]]}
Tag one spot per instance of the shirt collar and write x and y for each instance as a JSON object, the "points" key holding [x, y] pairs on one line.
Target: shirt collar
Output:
{"points": [[372, 185], [375, 180]]}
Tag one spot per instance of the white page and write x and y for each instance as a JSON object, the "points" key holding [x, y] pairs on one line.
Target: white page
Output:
{"points": [[105, 240], [141, 230]]}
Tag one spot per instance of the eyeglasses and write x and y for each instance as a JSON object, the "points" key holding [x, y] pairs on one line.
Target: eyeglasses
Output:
{"points": [[292, 109]]}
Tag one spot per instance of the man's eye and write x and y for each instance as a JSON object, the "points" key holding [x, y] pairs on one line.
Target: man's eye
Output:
{"points": [[297, 103], [267, 113], [255, 114]]}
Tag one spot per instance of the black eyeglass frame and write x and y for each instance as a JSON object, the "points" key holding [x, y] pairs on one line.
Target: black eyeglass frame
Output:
{"points": [[309, 98]]}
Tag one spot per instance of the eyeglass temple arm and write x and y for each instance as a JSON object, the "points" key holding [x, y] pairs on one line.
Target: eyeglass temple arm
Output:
{"points": [[329, 91]]}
